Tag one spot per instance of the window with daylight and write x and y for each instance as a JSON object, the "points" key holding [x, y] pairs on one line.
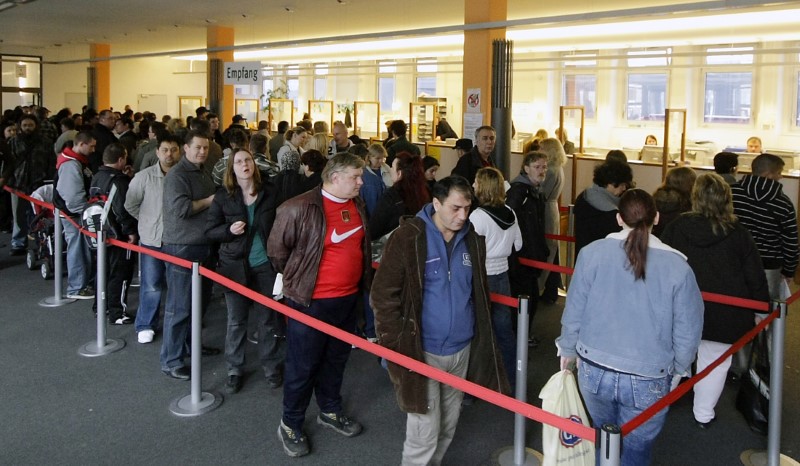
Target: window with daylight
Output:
{"points": [[728, 86]]}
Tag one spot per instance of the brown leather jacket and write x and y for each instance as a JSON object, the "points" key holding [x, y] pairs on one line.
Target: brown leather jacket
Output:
{"points": [[296, 241], [396, 299]]}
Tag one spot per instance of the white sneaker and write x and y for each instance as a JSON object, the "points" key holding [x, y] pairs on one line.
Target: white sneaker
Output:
{"points": [[146, 336]]}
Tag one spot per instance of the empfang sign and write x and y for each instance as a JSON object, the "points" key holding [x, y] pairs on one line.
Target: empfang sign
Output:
{"points": [[242, 72]]}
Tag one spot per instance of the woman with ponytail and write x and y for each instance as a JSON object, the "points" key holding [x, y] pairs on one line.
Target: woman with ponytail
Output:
{"points": [[633, 321]]}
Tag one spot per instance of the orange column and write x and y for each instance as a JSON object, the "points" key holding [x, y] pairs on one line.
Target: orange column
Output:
{"points": [[99, 54], [478, 50], [218, 36]]}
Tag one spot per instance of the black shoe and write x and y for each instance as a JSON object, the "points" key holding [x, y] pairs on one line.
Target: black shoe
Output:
{"points": [[342, 424], [233, 384], [705, 425], [209, 351], [180, 373], [294, 442], [533, 342], [275, 381], [17, 252]]}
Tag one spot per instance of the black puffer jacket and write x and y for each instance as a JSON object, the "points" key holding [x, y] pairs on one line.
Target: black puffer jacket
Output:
{"points": [[725, 263], [230, 208]]}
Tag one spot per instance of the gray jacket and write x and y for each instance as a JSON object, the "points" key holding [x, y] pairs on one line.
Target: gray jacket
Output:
{"points": [[145, 203], [72, 186], [185, 182]]}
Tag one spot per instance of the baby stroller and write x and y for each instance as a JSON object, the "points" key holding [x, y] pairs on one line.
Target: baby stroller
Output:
{"points": [[41, 234]]}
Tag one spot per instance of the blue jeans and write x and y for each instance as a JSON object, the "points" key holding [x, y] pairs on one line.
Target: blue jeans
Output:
{"points": [[369, 318], [153, 281], [616, 398], [22, 212], [315, 362], [178, 310], [79, 258], [502, 321]]}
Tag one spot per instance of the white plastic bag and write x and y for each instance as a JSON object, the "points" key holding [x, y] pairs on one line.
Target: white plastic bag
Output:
{"points": [[560, 396]]}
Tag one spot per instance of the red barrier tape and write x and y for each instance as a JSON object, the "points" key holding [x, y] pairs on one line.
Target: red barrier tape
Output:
{"points": [[22, 195], [157, 254], [683, 388], [490, 396], [793, 298], [546, 266], [734, 301], [503, 299], [504, 401], [570, 239]]}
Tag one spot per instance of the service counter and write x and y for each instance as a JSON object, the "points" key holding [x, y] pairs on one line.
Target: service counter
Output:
{"points": [[648, 176]]}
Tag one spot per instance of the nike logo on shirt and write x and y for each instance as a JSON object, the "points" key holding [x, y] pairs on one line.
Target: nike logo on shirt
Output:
{"points": [[337, 238]]}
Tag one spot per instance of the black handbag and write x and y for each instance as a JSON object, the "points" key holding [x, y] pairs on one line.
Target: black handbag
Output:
{"points": [[753, 397]]}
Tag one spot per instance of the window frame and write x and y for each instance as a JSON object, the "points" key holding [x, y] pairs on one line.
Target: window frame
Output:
{"points": [[707, 68], [626, 100]]}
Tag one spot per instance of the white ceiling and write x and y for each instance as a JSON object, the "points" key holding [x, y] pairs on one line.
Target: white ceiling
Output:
{"points": [[61, 29]]}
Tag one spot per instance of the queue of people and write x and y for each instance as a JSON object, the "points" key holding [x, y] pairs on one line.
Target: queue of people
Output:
{"points": [[318, 219]]}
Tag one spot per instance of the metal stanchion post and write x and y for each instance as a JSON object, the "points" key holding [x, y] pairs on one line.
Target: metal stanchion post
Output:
{"points": [[197, 402], [102, 345], [58, 298], [773, 456], [610, 445], [776, 386], [518, 454], [570, 244], [136, 282]]}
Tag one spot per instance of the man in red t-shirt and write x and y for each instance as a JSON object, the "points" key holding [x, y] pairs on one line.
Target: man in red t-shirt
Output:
{"points": [[320, 245]]}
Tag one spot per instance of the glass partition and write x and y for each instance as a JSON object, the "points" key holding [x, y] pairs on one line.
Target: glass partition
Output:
{"points": [[188, 104], [280, 110], [321, 110], [570, 124], [248, 108], [674, 137], [366, 120]]}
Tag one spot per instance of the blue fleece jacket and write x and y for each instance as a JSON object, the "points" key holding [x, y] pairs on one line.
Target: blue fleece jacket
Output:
{"points": [[448, 310]]}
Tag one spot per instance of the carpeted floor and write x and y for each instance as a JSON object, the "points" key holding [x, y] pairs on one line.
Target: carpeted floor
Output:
{"points": [[60, 408]]}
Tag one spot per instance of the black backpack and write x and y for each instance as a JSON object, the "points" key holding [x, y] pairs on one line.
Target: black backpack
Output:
{"points": [[96, 215]]}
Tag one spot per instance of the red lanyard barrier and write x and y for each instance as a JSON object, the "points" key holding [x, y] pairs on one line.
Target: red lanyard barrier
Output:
{"points": [[491, 396], [683, 388]]}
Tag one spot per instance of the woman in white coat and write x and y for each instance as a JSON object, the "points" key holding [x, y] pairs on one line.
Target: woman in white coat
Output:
{"points": [[497, 223]]}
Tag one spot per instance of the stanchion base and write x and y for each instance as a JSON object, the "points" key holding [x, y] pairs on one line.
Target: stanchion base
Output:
{"points": [[184, 407], [505, 456], [52, 301], [759, 458], [91, 350]]}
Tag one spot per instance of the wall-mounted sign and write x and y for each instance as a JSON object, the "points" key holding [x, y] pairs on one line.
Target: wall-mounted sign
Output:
{"points": [[242, 72], [474, 100]]}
